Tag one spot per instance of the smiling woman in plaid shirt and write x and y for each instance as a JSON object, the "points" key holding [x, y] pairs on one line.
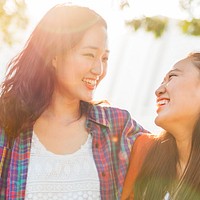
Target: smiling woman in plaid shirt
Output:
{"points": [[55, 143]]}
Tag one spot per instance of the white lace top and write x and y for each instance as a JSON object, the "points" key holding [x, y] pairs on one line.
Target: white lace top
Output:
{"points": [[59, 177]]}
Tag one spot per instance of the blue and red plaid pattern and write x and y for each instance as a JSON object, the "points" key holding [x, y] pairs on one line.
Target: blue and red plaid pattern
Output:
{"points": [[113, 131]]}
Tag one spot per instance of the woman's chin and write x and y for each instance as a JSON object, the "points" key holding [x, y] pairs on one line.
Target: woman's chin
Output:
{"points": [[158, 121]]}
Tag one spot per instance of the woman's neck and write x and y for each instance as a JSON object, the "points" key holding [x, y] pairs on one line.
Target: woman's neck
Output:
{"points": [[61, 109]]}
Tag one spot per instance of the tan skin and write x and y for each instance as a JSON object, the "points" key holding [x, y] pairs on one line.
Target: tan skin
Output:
{"points": [[61, 127], [180, 109]]}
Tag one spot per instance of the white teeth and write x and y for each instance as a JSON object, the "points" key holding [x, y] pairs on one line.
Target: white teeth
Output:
{"points": [[163, 102], [90, 81]]}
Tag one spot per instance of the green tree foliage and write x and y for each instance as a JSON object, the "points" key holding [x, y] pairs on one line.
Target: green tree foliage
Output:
{"points": [[192, 25], [12, 19], [158, 24]]}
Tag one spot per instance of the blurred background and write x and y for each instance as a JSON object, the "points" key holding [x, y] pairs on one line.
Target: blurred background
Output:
{"points": [[146, 38]]}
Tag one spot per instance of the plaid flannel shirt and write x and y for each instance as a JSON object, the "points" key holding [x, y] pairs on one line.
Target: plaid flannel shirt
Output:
{"points": [[113, 131]]}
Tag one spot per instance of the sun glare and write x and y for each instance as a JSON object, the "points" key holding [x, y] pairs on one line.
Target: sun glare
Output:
{"points": [[137, 8]]}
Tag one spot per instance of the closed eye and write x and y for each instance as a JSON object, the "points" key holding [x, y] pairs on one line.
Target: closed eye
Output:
{"points": [[89, 55], [171, 75], [105, 59]]}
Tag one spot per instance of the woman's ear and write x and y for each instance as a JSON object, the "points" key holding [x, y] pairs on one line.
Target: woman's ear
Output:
{"points": [[54, 61]]}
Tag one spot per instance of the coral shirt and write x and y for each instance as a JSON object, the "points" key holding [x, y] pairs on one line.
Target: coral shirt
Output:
{"points": [[138, 154]]}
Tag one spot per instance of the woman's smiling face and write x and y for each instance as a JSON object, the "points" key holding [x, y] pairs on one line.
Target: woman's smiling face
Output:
{"points": [[80, 70], [178, 97]]}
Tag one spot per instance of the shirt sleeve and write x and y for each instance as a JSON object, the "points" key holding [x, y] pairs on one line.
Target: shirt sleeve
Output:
{"points": [[138, 154]]}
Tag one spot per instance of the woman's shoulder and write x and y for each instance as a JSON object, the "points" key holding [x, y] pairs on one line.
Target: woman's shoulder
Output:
{"points": [[142, 145], [106, 107], [139, 151], [115, 118], [144, 140], [118, 119]]}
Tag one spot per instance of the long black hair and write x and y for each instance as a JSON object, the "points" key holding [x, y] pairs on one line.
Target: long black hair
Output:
{"points": [[28, 87]]}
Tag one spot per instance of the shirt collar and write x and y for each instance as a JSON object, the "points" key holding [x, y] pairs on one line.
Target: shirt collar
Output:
{"points": [[95, 113]]}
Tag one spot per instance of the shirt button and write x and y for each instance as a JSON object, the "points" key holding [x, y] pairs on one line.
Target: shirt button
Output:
{"points": [[97, 145], [103, 174]]}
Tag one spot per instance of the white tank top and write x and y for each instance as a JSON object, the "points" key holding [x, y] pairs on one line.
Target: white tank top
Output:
{"points": [[60, 177]]}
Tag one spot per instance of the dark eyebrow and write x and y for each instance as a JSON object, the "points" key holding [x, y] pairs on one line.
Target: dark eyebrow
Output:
{"points": [[174, 70], [94, 48]]}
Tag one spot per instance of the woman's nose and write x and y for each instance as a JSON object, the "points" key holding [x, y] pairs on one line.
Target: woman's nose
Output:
{"points": [[97, 68], [161, 90]]}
